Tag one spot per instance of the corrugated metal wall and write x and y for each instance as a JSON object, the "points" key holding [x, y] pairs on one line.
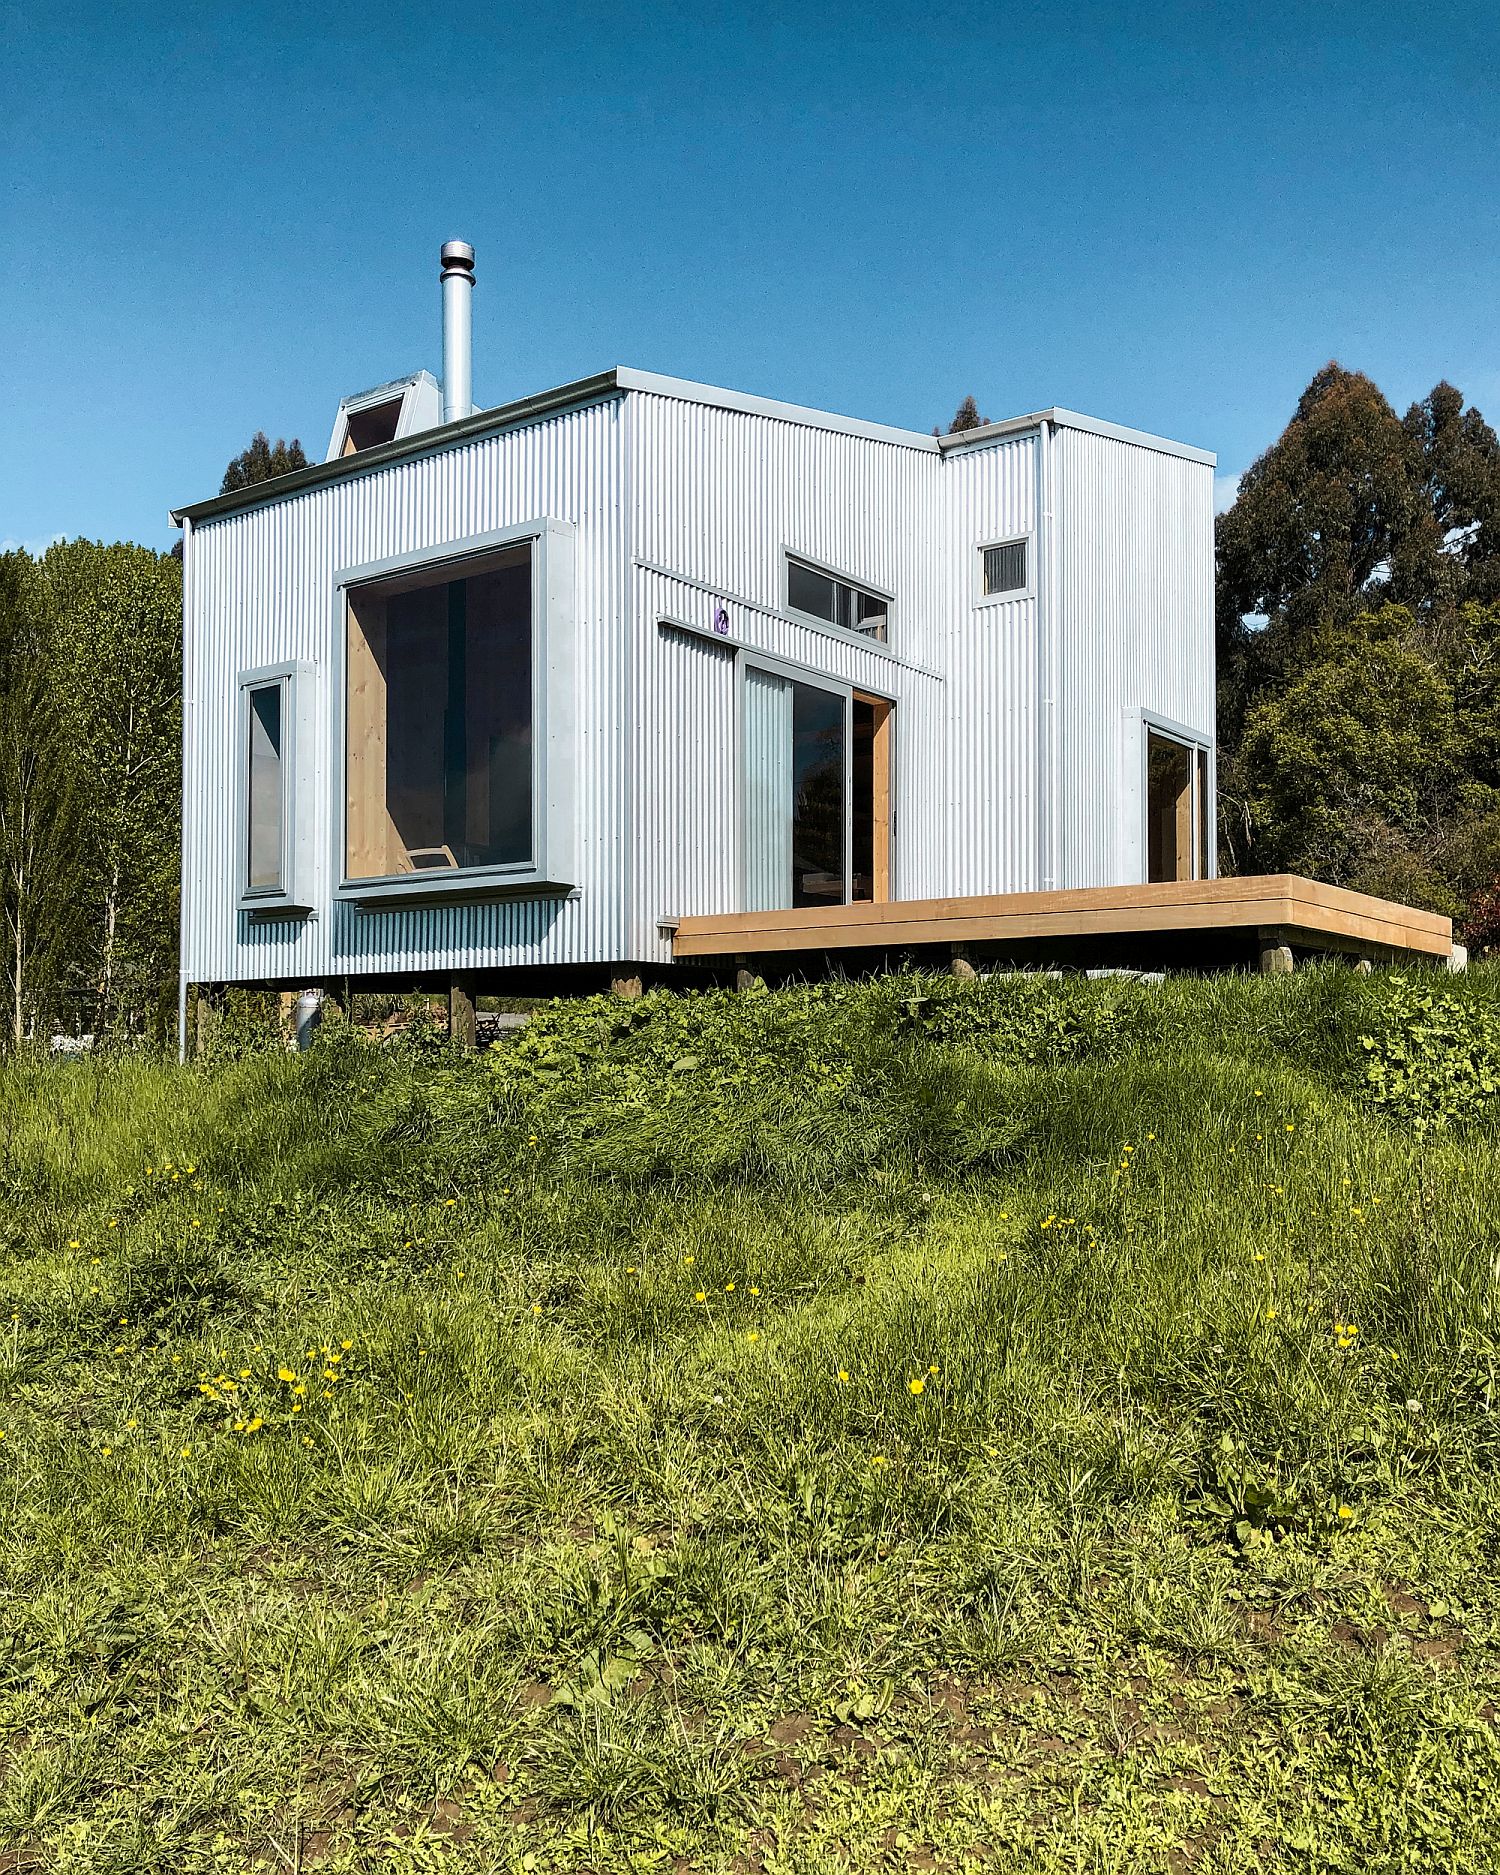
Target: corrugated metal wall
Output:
{"points": [[1134, 632], [719, 497], [684, 510], [261, 591], [989, 652]]}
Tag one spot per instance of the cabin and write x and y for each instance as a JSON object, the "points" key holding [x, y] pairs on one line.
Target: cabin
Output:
{"points": [[637, 677]]}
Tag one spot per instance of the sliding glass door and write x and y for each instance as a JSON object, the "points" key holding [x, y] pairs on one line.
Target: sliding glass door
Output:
{"points": [[816, 793]]}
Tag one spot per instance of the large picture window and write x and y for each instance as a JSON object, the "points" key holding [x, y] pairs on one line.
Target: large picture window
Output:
{"points": [[440, 769]]}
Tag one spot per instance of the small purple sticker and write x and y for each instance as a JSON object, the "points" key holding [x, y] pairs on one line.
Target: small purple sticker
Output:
{"points": [[721, 620]]}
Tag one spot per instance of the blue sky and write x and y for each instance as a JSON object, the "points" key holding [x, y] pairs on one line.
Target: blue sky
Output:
{"points": [[219, 219]]}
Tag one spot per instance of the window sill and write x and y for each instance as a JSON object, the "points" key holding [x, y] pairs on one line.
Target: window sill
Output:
{"points": [[441, 888], [266, 905]]}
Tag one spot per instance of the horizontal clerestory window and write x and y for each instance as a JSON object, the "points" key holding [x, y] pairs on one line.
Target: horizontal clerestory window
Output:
{"points": [[836, 601]]}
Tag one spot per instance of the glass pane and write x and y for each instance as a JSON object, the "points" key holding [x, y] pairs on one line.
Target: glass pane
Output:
{"points": [[264, 793], [862, 803], [768, 791], [1005, 568], [871, 614], [814, 593], [818, 806], [1169, 809], [1205, 831], [440, 724]]}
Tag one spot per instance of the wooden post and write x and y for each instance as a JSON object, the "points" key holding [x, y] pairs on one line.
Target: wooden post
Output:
{"points": [[463, 1021], [625, 985], [205, 1025], [1276, 959]]}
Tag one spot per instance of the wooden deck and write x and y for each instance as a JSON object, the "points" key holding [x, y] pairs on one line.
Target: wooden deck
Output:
{"points": [[1214, 919]]}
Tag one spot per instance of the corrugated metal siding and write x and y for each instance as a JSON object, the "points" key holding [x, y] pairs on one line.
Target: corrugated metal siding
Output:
{"points": [[261, 593], [990, 655], [719, 496], [1134, 632], [682, 509]]}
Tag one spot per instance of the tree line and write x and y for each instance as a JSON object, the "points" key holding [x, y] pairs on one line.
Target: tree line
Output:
{"points": [[1358, 631], [91, 781]]}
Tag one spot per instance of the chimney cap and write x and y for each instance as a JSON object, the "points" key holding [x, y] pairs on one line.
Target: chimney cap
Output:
{"points": [[457, 257]]}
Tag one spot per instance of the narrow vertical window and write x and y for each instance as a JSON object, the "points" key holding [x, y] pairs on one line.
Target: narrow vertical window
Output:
{"points": [[817, 796], [1205, 825], [265, 791]]}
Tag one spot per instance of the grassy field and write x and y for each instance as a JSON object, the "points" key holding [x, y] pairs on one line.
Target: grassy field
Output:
{"points": [[1036, 1426]]}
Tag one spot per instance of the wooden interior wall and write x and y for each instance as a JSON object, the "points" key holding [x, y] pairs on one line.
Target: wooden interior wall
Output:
{"points": [[881, 816], [374, 848]]}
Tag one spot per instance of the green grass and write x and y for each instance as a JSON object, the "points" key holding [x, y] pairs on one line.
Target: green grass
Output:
{"points": [[622, 1539]]}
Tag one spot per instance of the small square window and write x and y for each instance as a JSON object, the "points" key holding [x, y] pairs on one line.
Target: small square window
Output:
{"points": [[1005, 568]]}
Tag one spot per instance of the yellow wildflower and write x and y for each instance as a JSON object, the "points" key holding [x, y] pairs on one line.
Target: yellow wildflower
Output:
{"points": [[919, 1385]]}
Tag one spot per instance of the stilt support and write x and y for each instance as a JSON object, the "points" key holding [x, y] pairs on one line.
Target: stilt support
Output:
{"points": [[463, 1019], [1276, 959]]}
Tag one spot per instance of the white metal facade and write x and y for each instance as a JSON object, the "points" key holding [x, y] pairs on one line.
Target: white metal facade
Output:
{"points": [[1018, 722]]}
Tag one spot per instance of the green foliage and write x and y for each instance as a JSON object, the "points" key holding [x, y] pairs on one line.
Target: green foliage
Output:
{"points": [[90, 786], [262, 462], [119, 690], [1434, 1061], [40, 864], [1365, 736], [1359, 646], [966, 417], [401, 1472]]}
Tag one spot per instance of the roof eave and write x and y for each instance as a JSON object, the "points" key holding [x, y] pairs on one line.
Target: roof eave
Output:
{"points": [[1075, 420], [503, 416]]}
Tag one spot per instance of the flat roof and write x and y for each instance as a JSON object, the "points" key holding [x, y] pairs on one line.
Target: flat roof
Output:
{"points": [[623, 378]]}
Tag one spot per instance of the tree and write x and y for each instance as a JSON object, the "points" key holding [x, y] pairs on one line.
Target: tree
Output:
{"points": [[118, 685], [1458, 464], [262, 462], [38, 803], [1314, 530], [966, 417], [1360, 750]]}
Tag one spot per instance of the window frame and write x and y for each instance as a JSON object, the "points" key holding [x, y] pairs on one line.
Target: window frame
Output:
{"points": [[1019, 593], [292, 895], [846, 689], [846, 634], [1205, 806], [551, 869]]}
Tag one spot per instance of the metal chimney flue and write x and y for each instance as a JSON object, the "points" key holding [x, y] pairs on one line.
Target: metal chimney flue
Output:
{"points": [[458, 330]]}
